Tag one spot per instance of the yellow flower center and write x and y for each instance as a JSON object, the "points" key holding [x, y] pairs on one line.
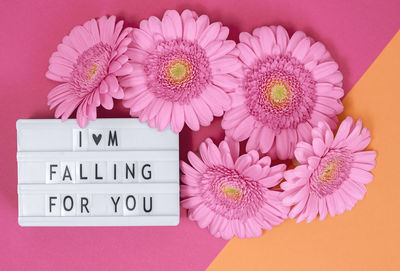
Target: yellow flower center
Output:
{"points": [[279, 93], [329, 171], [179, 71], [276, 92], [231, 192], [92, 71]]}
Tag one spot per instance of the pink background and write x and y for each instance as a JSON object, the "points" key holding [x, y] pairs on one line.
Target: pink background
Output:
{"points": [[354, 31]]}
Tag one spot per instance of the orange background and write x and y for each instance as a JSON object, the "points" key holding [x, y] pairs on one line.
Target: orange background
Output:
{"points": [[367, 237]]}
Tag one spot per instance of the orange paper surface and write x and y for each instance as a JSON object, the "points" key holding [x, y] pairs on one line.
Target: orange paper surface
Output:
{"points": [[365, 238]]}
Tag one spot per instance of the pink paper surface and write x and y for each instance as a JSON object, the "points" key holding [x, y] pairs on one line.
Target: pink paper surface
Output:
{"points": [[354, 31]]}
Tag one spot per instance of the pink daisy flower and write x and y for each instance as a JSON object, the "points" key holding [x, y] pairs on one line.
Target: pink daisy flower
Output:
{"points": [[232, 195], [181, 71], [287, 86], [332, 174], [88, 62]]}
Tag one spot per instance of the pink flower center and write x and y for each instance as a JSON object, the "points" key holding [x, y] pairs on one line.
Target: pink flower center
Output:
{"points": [[229, 194], [280, 92], [177, 71], [333, 170], [90, 69]]}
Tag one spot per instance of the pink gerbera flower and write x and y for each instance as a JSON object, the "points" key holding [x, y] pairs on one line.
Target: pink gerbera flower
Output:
{"points": [[287, 86], [332, 173], [88, 62], [181, 71], [232, 195]]}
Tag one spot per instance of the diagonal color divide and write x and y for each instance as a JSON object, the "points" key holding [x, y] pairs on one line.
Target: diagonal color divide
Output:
{"points": [[365, 238]]}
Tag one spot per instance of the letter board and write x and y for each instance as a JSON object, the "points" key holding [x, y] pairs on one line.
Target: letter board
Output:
{"points": [[114, 172]]}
